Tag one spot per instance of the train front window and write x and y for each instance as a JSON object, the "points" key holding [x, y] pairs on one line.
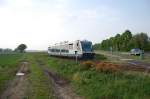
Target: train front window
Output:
{"points": [[86, 46]]}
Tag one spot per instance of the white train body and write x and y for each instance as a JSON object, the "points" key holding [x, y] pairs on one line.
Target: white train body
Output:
{"points": [[72, 49]]}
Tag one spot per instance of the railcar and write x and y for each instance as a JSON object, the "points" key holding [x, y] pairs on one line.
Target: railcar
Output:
{"points": [[78, 48]]}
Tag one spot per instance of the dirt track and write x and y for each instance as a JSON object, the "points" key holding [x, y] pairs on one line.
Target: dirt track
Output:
{"points": [[61, 86], [18, 87]]}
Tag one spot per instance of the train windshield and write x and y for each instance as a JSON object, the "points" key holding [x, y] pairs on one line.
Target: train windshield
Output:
{"points": [[86, 46]]}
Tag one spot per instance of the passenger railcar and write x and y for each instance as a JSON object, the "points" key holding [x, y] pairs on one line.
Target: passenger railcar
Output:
{"points": [[81, 49]]}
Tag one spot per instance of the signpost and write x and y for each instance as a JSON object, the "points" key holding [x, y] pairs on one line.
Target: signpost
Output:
{"points": [[111, 50], [142, 54], [76, 54]]}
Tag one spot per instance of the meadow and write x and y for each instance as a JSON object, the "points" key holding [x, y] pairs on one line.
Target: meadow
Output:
{"points": [[87, 82], [94, 84]]}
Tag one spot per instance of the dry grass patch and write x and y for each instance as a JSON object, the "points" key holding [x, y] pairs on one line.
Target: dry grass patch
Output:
{"points": [[107, 67], [101, 66]]}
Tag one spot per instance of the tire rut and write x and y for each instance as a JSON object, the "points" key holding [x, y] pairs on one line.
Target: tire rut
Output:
{"points": [[61, 86]]}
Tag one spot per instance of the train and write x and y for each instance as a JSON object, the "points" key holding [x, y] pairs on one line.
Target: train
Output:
{"points": [[79, 48]]}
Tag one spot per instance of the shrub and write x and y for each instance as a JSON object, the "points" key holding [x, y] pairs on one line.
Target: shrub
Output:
{"points": [[107, 67]]}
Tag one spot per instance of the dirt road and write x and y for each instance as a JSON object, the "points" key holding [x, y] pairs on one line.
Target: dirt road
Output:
{"points": [[17, 89]]}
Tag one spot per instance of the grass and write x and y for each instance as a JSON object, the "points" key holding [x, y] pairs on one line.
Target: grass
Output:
{"points": [[88, 83], [9, 59], [100, 85], [40, 86], [100, 57], [8, 67]]}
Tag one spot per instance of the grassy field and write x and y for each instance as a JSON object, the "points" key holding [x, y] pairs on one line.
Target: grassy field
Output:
{"points": [[8, 65], [39, 85], [89, 83], [100, 85]]}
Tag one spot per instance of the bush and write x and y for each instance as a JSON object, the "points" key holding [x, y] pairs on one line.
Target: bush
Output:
{"points": [[107, 67]]}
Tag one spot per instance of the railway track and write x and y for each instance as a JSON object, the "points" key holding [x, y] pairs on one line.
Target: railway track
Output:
{"points": [[137, 65]]}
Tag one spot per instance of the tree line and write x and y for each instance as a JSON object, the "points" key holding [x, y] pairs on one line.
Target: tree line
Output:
{"points": [[125, 42], [20, 48]]}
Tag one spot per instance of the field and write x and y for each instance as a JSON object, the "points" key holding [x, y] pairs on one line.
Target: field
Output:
{"points": [[96, 85], [45, 72]]}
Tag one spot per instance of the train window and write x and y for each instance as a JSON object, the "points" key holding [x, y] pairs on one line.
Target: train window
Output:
{"points": [[78, 47], [77, 44], [70, 46], [65, 51], [86, 46], [57, 50], [62, 50], [53, 50]]}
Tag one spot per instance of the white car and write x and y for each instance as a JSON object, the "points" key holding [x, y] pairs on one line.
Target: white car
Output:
{"points": [[136, 51]]}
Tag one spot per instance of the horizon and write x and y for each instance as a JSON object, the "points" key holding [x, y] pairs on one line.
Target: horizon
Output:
{"points": [[39, 24]]}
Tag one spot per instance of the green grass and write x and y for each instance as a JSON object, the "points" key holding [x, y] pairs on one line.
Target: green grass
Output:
{"points": [[86, 82], [100, 85], [9, 59], [40, 85], [8, 67], [100, 57]]}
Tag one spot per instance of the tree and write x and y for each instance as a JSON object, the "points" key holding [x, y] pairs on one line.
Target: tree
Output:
{"points": [[141, 41], [125, 38], [125, 42], [117, 42], [21, 48], [96, 46]]}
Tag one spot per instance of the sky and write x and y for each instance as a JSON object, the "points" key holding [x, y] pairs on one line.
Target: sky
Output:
{"points": [[40, 23]]}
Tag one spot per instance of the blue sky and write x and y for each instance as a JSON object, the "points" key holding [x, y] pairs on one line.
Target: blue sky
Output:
{"points": [[39, 23]]}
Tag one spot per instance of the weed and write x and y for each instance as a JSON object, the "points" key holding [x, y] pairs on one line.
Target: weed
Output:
{"points": [[87, 64]]}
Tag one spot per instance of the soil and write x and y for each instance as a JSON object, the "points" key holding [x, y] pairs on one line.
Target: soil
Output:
{"points": [[61, 85], [17, 88]]}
